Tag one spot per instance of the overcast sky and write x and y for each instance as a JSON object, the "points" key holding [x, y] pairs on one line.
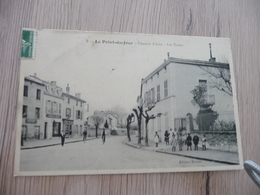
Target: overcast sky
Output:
{"points": [[108, 74]]}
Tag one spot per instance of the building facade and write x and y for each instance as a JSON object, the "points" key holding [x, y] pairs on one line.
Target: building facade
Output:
{"points": [[169, 88], [47, 110]]}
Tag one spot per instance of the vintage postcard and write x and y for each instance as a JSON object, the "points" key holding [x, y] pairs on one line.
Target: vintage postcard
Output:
{"points": [[114, 103]]}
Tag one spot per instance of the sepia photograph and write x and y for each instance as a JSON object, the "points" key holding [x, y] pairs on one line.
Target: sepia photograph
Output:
{"points": [[117, 103]]}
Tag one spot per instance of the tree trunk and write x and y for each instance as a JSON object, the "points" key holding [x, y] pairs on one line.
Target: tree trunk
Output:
{"points": [[146, 133], [139, 132], [96, 131], [128, 133]]}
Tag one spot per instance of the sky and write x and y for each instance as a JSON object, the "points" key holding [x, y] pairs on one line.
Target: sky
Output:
{"points": [[108, 74]]}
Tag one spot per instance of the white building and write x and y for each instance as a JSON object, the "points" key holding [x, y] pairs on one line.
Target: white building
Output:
{"points": [[170, 86], [73, 113], [47, 110]]}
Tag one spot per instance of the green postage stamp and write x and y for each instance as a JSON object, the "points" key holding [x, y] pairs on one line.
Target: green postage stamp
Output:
{"points": [[28, 43]]}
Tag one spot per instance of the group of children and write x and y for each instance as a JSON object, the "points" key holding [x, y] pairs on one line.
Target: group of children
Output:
{"points": [[177, 140]]}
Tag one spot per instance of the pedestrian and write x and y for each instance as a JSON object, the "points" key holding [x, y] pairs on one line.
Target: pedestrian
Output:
{"points": [[104, 136], [196, 141], [156, 139], [188, 142], [180, 142], [84, 135], [166, 137], [204, 140], [63, 134], [171, 134], [174, 143]]}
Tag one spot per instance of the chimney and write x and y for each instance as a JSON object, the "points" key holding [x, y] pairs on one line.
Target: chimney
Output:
{"points": [[53, 83], [211, 59], [35, 74], [164, 60], [78, 95], [68, 89], [168, 54]]}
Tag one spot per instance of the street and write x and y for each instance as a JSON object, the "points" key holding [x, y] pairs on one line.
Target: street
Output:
{"points": [[93, 155]]}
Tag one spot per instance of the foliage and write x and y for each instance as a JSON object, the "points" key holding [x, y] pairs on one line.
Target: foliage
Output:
{"points": [[198, 96], [222, 125], [206, 118], [97, 121]]}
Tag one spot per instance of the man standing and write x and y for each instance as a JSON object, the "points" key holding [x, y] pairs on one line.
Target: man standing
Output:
{"points": [[63, 134], [84, 135], [104, 136], [196, 141]]}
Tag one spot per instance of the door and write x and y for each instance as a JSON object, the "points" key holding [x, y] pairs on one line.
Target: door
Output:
{"points": [[45, 130]]}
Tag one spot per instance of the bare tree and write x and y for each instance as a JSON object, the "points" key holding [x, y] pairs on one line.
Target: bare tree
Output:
{"points": [[119, 113], [129, 120], [97, 120], [147, 119], [138, 112], [220, 76]]}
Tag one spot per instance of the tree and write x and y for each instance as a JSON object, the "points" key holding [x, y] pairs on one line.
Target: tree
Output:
{"points": [[129, 120], [97, 120], [138, 112], [220, 76], [206, 116], [119, 113], [147, 119]]}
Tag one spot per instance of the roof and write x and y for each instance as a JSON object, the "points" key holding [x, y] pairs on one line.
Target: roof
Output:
{"points": [[212, 63], [74, 97], [33, 79]]}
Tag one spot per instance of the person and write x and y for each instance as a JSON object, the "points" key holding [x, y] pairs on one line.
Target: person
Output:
{"points": [[188, 142], [171, 134], [180, 142], [204, 140], [166, 137], [104, 136], [156, 139], [174, 143], [63, 134], [84, 135], [196, 141]]}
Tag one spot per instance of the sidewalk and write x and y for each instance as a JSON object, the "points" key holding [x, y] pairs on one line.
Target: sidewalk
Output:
{"points": [[209, 155], [32, 144]]}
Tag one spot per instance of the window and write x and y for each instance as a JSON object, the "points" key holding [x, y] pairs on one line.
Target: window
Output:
{"points": [[25, 91], [37, 113], [59, 108], [38, 94], [55, 108], [68, 112], [76, 102], [68, 100], [152, 94], [78, 114], [165, 88], [158, 93], [80, 104], [48, 107], [25, 110], [203, 83]]}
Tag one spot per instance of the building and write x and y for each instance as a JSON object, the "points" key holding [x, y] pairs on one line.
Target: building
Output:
{"points": [[33, 106], [73, 114], [169, 88], [47, 110]]}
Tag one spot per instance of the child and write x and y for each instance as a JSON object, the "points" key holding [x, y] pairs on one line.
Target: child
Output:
{"points": [[156, 139], [204, 140], [174, 143]]}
